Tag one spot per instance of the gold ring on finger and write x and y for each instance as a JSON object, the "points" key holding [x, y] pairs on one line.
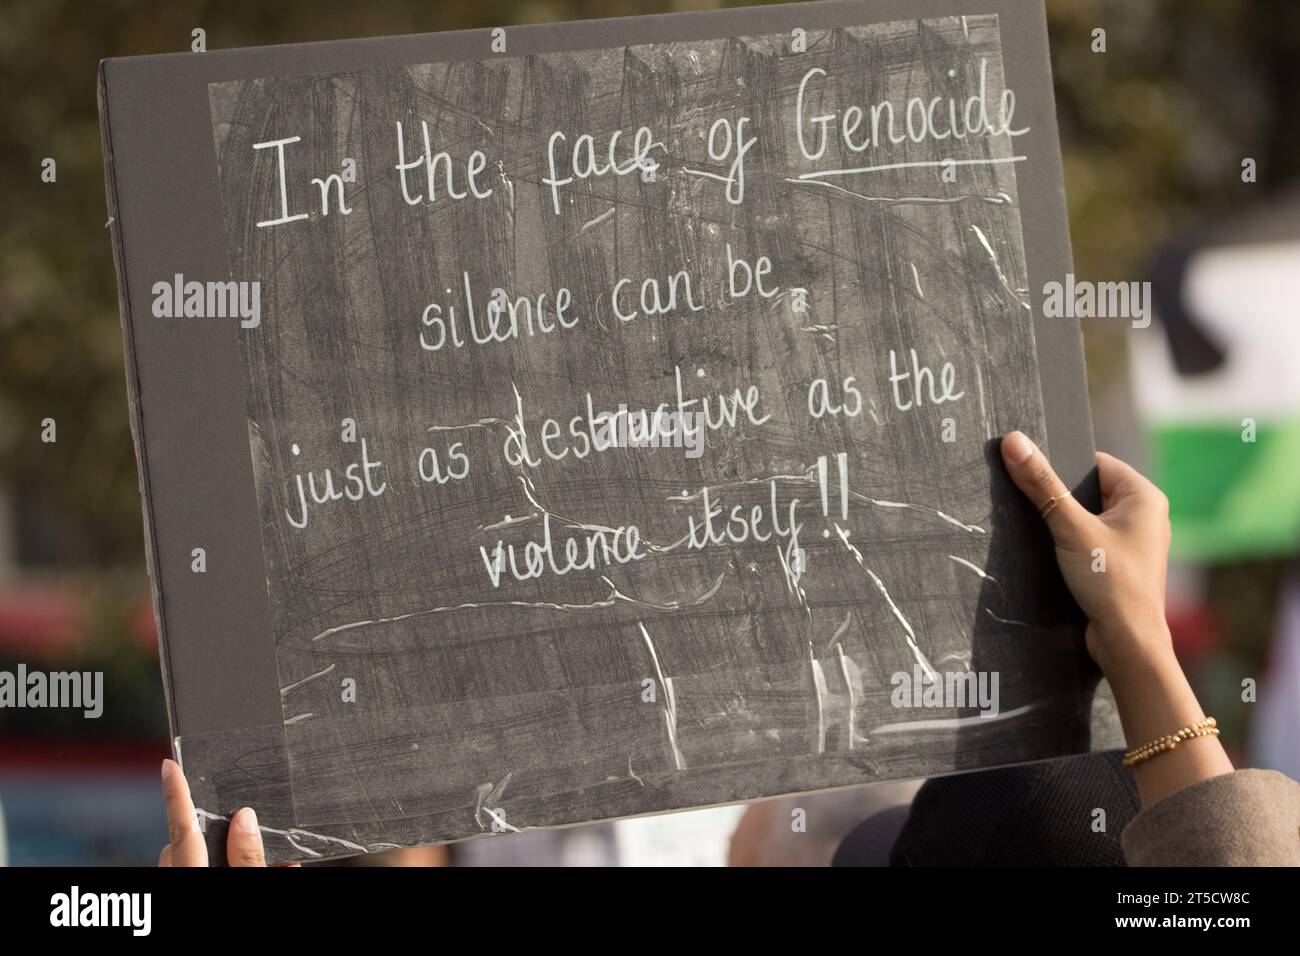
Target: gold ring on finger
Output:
{"points": [[1050, 504]]}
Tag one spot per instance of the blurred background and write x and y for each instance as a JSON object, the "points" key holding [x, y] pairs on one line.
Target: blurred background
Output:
{"points": [[1156, 132]]}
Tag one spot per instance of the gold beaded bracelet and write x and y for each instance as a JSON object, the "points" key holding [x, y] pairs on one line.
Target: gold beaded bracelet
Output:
{"points": [[1203, 728]]}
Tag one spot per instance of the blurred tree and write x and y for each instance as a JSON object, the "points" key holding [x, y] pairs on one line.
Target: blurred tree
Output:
{"points": [[1154, 130]]}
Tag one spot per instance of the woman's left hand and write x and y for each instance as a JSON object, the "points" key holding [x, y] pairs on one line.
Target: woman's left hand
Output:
{"points": [[186, 846]]}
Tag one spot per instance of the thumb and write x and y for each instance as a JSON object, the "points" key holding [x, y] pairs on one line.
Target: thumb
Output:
{"points": [[244, 840], [1034, 475]]}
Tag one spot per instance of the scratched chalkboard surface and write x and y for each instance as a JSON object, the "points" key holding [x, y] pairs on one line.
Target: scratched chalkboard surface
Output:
{"points": [[620, 422]]}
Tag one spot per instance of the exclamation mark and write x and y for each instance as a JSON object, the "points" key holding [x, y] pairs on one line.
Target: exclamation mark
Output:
{"points": [[843, 460], [821, 480]]}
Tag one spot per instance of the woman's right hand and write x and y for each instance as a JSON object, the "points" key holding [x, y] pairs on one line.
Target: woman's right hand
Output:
{"points": [[1114, 563]]}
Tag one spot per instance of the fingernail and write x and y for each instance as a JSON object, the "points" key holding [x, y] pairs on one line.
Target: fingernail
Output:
{"points": [[246, 820], [168, 768], [1017, 447]]}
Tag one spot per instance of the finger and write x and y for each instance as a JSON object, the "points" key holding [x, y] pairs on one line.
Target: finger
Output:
{"points": [[1034, 476], [1120, 481], [165, 857], [244, 840], [187, 846]]}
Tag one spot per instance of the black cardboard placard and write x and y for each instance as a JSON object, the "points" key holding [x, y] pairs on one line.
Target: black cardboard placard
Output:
{"points": [[359, 499]]}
